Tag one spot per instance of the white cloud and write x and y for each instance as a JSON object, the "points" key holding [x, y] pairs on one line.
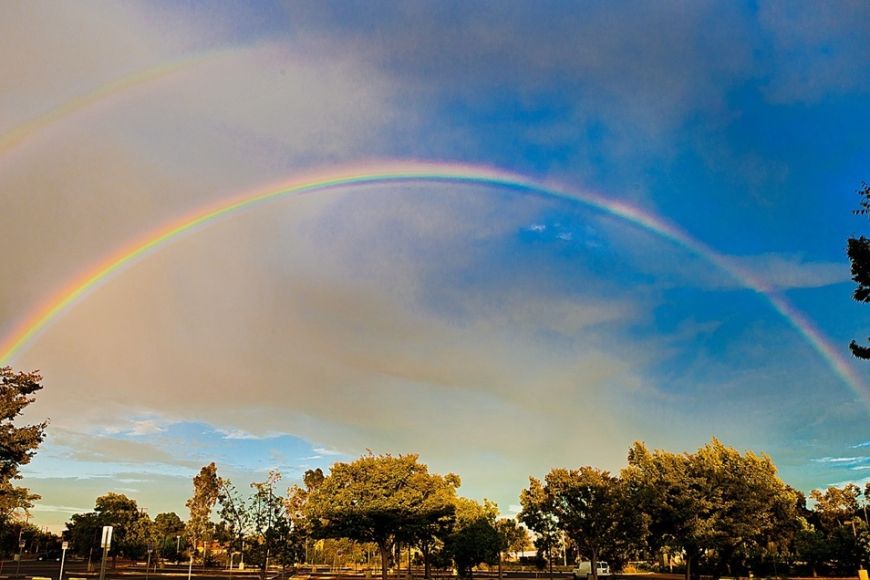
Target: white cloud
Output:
{"points": [[784, 272], [842, 460], [328, 452]]}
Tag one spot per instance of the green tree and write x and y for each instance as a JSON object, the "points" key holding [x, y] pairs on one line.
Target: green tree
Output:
{"points": [[206, 490], [858, 250], [297, 500], [435, 516], [539, 516], [132, 529], [235, 516], [836, 507], [714, 501], [840, 532], [17, 444], [586, 503], [515, 536], [272, 526], [168, 527], [474, 538], [377, 498]]}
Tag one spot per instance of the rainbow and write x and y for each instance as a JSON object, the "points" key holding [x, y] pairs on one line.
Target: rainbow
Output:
{"points": [[21, 133], [387, 173], [104, 93]]}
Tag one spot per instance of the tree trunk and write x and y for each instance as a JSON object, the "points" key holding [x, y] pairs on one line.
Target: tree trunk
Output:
{"points": [[550, 560], [688, 566], [382, 546], [593, 562], [424, 548], [499, 565]]}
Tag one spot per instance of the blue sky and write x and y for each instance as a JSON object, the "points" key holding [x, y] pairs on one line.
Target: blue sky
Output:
{"points": [[495, 333]]}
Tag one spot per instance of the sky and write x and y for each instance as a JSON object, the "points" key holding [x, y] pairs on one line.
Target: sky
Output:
{"points": [[672, 270]]}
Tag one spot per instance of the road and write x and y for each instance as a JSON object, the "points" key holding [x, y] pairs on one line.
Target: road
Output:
{"points": [[78, 569]]}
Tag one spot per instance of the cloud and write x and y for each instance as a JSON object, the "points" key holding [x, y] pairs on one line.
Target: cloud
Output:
{"points": [[785, 272], [818, 50], [104, 449], [403, 318], [245, 435], [842, 460], [328, 452]]}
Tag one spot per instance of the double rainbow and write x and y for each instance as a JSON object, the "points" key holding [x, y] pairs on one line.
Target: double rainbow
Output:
{"points": [[388, 173]]}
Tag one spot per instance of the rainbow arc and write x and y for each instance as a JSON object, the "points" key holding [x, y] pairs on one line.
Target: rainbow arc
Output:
{"points": [[386, 173]]}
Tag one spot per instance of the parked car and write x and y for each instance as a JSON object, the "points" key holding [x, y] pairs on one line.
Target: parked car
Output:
{"points": [[584, 569]]}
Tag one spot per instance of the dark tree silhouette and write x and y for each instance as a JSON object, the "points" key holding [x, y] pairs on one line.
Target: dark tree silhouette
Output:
{"points": [[859, 255]]}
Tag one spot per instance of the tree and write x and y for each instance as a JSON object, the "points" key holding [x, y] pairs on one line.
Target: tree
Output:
{"points": [[858, 251], [836, 506], [276, 536], [206, 490], [297, 501], [586, 505], [714, 501], [516, 536], [377, 498], [235, 516], [435, 516], [131, 527], [537, 513], [17, 444], [474, 538], [168, 526], [837, 536]]}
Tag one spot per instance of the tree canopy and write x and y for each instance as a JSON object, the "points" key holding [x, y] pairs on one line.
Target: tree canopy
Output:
{"points": [[132, 531], [858, 250], [17, 443], [715, 502], [475, 538], [379, 498]]}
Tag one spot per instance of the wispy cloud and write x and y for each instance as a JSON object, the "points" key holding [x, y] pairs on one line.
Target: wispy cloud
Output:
{"points": [[784, 272]]}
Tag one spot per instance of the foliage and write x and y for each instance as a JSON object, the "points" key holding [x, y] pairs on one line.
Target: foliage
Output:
{"points": [[168, 527], [539, 516], [474, 538], [235, 516], [17, 444], [132, 528], [276, 536], [515, 537], [261, 526], [836, 538], [836, 506], [588, 507], [206, 490], [858, 250], [379, 499], [715, 502]]}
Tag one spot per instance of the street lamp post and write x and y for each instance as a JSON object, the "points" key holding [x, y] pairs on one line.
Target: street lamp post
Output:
{"points": [[177, 548], [20, 550]]}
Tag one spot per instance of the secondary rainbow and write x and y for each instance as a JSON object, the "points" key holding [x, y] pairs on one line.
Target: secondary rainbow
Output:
{"points": [[20, 134], [386, 173]]}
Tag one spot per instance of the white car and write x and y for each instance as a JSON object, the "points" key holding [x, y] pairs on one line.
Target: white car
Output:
{"points": [[584, 569]]}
